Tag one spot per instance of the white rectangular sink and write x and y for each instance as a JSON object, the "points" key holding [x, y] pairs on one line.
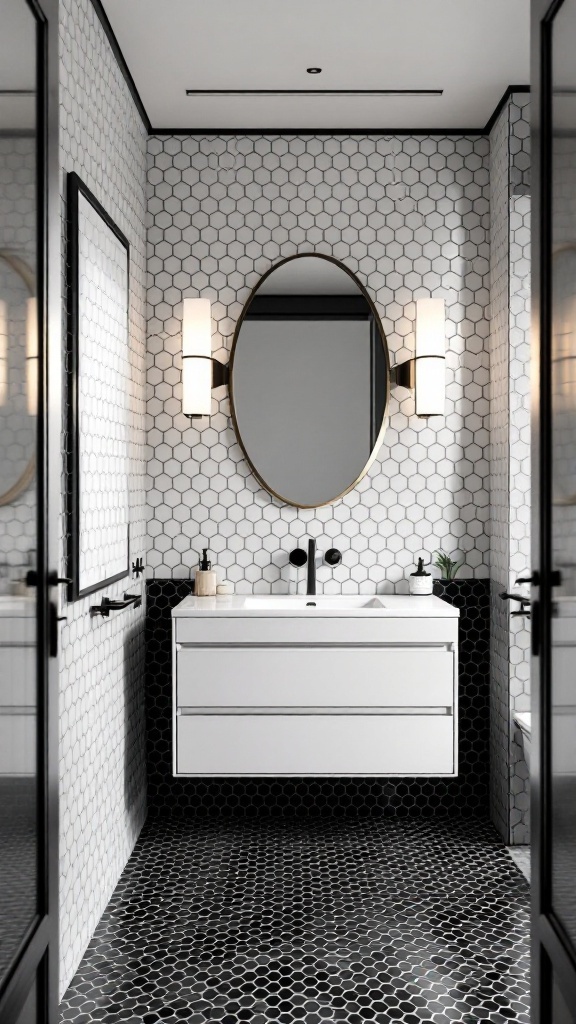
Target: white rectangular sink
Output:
{"points": [[288, 602], [319, 606]]}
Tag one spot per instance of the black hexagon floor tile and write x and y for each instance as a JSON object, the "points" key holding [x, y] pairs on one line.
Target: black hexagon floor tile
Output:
{"points": [[309, 920]]}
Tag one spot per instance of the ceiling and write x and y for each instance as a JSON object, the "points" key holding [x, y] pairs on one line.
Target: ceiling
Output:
{"points": [[471, 50]]}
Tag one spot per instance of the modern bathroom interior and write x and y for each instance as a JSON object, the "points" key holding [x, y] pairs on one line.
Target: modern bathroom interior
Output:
{"points": [[268, 526]]}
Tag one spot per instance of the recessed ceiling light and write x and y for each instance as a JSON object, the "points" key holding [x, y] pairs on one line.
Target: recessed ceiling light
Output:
{"points": [[313, 71]]}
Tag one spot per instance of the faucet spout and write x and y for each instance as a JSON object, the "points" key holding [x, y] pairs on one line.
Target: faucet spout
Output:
{"points": [[311, 568]]}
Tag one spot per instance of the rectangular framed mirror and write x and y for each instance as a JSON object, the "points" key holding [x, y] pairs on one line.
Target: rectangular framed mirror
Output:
{"points": [[98, 394]]}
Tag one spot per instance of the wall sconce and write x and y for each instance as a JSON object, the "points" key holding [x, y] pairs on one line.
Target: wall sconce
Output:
{"points": [[32, 356], [426, 373], [200, 371]]}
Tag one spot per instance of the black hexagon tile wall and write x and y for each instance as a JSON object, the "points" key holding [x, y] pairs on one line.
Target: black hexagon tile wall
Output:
{"points": [[466, 795]]}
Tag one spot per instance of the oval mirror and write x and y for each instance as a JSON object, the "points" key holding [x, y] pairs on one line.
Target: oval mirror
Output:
{"points": [[17, 400], [309, 381]]}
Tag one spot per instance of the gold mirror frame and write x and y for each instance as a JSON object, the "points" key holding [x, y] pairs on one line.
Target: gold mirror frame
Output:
{"points": [[378, 322], [27, 275]]}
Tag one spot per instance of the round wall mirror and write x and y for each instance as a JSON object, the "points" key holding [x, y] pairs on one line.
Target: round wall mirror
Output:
{"points": [[309, 381], [17, 402]]}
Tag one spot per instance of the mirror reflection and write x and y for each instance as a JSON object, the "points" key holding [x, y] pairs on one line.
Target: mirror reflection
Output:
{"points": [[18, 383], [19, 779], [309, 381]]}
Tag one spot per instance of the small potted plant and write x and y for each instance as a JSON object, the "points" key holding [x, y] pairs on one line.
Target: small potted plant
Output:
{"points": [[448, 566], [464, 592]]}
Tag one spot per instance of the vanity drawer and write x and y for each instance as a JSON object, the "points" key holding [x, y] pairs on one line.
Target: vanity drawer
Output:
{"points": [[305, 744], [314, 677], [17, 675], [330, 629], [18, 744]]}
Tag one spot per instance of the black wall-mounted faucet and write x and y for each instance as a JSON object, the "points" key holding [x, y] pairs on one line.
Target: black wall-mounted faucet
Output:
{"points": [[311, 568], [298, 558]]}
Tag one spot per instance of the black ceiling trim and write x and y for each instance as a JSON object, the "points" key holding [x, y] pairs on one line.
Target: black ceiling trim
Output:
{"points": [[318, 131], [500, 106], [103, 18], [314, 92]]}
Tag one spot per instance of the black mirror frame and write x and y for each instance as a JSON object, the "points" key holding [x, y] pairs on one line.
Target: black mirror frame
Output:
{"points": [[76, 188]]}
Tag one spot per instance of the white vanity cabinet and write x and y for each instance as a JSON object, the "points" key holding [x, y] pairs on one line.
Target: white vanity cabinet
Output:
{"points": [[18, 699], [277, 686]]}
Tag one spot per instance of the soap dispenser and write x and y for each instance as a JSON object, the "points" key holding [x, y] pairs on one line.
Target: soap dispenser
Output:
{"points": [[205, 581], [420, 581]]}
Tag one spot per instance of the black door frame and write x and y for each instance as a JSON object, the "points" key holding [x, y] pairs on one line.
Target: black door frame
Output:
{"points": [[36, 965], [552, 954]]}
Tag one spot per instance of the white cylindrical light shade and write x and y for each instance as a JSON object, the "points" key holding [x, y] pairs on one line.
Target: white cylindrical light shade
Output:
{"points": [[32, 356], [197, 328], [196, 357], [430, 357]]}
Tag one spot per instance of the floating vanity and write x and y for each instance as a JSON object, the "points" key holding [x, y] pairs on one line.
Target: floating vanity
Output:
{"points": [[343, 686]]}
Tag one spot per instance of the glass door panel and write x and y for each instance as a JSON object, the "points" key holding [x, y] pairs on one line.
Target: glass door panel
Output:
{"points": [[562, 767], [19, 687]]}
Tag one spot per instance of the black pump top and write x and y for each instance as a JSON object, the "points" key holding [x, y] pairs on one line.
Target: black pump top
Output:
{"points": [[205, 564], [420, 570]]}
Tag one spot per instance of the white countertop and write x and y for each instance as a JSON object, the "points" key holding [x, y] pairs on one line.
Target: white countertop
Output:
{"points": [[354, 605]]}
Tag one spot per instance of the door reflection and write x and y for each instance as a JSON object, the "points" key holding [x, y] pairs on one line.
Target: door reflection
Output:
{"points": [[18, 505]]}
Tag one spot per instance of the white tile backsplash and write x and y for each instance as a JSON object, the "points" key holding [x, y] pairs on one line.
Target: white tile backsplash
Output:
{"points": [[410, 217]]}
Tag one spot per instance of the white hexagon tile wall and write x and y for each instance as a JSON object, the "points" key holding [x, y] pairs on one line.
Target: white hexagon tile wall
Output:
{"points": [[102, 733], [510, 460], [499, 475], [410, 217], [520, 501]]}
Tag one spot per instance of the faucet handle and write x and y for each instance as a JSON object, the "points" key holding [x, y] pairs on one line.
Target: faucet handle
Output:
{"points": [[298, 558], [333, 557]]}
